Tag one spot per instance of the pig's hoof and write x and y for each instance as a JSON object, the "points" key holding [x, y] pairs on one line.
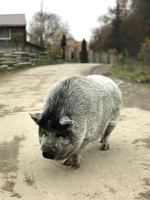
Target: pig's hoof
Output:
{"points": [[104, 147], [73, 162]]}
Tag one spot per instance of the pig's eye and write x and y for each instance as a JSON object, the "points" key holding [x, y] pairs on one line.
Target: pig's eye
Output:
{"points": [[62, 134], [58, 135]]}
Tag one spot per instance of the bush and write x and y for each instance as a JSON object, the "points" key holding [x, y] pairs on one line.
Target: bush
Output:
{"points": [[144, 53], [43, 61], [132, 73], [84, 52]]}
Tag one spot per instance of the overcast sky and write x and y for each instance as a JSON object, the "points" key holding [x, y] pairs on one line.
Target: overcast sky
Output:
{"points": [[81, 15]]}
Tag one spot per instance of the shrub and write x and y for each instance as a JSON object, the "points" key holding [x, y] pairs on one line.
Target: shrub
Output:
{"points": [[84, 52], [144, 53]]}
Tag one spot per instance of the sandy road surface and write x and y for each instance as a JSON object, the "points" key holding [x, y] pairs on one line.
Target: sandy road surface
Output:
{"points": [[122, 173]]}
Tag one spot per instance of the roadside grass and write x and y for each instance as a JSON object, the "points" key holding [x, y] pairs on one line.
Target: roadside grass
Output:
{"points": [[134, 73], [44, 61]]}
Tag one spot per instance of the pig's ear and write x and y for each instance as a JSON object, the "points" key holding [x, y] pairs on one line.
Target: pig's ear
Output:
{"points": [[36, 117], [65, 120]]}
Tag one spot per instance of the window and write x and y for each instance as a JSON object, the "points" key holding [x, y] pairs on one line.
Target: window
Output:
{"points": [[5, 33]]}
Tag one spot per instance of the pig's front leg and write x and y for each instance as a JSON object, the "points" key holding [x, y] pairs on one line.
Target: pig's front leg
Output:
{"points": [[75, 159]]}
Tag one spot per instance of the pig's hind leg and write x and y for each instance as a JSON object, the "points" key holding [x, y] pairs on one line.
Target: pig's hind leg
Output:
{"points": [[105, 138], [108, 130]]}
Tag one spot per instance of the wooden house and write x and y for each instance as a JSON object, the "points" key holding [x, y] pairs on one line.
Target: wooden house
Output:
{"points": [[12, 30]]}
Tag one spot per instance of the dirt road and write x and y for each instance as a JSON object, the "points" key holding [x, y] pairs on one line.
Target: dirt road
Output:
{"points": [[122, 173]]}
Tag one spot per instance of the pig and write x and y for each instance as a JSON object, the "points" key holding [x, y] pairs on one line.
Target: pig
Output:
{"points": [[77, 111]]}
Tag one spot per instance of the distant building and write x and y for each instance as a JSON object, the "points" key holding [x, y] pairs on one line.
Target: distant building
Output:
{"points": [[12, 30], [73, 49]]}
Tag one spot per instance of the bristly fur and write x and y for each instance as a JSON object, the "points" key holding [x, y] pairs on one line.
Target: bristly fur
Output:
{"points": [[75, 96], [91, 107]]}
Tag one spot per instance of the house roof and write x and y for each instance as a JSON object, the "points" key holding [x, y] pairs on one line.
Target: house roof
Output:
{"points": [[73, 44], [12, 20]]}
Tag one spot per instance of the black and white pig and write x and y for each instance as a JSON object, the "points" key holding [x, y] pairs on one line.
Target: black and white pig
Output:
{"points": [[77, 111]]}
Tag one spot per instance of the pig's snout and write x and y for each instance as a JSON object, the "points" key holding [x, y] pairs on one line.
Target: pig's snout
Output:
{"points": [[49, 153]]}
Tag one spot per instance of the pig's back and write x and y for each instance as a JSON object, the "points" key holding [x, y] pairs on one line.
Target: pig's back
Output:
{"points": [[81, 95]]}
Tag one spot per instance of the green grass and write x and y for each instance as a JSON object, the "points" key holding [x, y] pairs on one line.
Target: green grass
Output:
{"points": [[43, 61], [132, 73]]}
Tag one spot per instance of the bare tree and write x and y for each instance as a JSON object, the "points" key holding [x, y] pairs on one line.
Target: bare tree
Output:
{"points": [[44, 27]]}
